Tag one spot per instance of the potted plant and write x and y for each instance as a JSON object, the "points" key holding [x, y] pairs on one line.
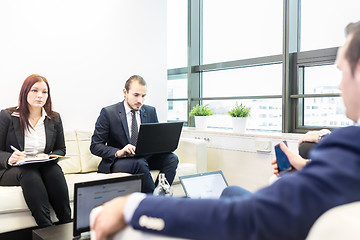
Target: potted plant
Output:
{"points": [[239, 114], [200, 114]]}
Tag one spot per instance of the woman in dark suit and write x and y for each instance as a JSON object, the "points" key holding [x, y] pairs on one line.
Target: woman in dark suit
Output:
{"points": [[34, 129]]}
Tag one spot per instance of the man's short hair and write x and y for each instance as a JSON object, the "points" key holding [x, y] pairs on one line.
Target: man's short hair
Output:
{"points": [[132, 79], [353, 51]]}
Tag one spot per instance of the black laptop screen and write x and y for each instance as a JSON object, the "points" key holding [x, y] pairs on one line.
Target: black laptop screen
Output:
{"points": [[158, 138], [88, 195]]}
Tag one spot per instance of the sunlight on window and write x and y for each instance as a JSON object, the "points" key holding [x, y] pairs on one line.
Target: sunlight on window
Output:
{"points": [[323, 22], [234, 29]]}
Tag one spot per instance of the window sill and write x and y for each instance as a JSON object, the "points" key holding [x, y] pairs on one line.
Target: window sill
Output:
{"points": [[261, 142]]}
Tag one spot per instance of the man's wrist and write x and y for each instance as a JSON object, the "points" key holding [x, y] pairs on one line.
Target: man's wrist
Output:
{"points": [[131, 204], [118, 154]]}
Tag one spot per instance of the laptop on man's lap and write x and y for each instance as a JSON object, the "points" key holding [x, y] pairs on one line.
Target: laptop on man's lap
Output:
{"points": [[155, 138]]}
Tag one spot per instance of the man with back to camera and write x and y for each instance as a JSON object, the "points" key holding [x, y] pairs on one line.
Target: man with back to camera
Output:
{"points": [[284, 210], [116, 132]]}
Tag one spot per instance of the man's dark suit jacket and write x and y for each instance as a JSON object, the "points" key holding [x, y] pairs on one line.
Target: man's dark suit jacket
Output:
{"points": [[11, 134], [112, 132], [284, 210]]}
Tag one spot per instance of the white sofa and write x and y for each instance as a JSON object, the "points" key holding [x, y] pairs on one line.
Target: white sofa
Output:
{"points": [[340, 222], [82, 166]]}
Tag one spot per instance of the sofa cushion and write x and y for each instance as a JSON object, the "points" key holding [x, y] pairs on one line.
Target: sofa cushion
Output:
{"points": [[72, 164], [89, 162], [12, 199]]}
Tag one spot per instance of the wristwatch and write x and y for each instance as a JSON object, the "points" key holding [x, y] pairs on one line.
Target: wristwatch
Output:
{"points": [[323, 133]]}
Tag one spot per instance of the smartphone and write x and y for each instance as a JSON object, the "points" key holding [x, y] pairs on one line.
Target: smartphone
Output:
{"points": [[281, 159]]}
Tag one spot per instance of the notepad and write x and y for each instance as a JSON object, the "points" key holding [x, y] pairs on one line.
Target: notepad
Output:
{"points": [[34, 159]]}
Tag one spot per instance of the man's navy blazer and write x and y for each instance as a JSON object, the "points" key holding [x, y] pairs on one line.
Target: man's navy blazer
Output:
{"points": [[284, 210], [112, 132]]}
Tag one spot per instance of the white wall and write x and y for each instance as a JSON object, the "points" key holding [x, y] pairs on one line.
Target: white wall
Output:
{"points": [[86, 49]]}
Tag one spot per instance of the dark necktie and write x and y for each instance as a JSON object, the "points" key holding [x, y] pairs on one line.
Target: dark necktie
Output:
{"points": [[134, 128]]}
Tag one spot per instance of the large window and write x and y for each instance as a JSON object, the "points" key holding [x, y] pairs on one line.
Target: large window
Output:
{"points": [[278, 57], [265, 113], [321, 79], [323, 22], [234, 29], [248, 81], [325, 112], [177, 33], [177, 95], [322, 31], [239, 85], [177, 27], [321, 104]]}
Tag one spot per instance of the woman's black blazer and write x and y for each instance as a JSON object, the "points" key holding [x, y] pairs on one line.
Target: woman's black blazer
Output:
{"points": [[11, 134]]}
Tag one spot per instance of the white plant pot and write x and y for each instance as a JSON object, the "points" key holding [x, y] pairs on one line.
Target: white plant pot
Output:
{"points": [[201, 122], [239, 124]]}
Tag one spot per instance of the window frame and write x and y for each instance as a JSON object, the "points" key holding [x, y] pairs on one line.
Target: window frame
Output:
{"points": [[292, 59]]}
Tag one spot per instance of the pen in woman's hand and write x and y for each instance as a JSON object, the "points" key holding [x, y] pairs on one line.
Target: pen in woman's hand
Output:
{"points": [[16, 150]]}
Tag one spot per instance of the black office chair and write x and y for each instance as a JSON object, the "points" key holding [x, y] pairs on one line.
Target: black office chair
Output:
{"points": [[305, 148]]}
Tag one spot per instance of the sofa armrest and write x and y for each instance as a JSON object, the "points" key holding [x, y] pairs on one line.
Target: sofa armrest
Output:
{"points": [[193, 151], [341, 222]]}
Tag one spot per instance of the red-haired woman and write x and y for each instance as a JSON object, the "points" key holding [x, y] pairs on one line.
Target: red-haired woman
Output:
{"points": [[34, 129]]}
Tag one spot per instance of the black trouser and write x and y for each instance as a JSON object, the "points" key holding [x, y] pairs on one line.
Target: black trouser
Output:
{"points": [[42, 183], [165, 162]]}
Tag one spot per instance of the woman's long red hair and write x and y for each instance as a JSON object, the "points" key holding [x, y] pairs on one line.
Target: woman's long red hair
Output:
{"points": [[23, 107]]}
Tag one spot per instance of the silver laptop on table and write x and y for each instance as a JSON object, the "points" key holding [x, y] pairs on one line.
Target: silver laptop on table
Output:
{"points": [[91, 194], [204, 185]]}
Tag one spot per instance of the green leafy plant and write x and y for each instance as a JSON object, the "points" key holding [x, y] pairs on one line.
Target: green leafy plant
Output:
{"points": [[240, 111], [200, 110]]}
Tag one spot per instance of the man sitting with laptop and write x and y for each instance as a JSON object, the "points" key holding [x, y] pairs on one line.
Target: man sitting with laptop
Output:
{"points": [[116, 132]]}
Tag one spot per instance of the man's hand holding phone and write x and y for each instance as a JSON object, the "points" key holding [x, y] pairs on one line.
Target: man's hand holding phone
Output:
{"points": [[284, 157], [282, 161]]}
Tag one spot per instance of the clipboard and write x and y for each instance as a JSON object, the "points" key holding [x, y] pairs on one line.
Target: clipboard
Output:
{"points": [[34, 159]]}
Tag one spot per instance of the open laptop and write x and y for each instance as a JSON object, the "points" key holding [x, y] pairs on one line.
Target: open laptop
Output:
{"points": [[204, 185], [88, 195], [157, 138]]}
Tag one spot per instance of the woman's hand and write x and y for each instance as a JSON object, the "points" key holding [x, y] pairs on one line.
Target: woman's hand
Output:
{"points": [[16, 157], [42, 156]]}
